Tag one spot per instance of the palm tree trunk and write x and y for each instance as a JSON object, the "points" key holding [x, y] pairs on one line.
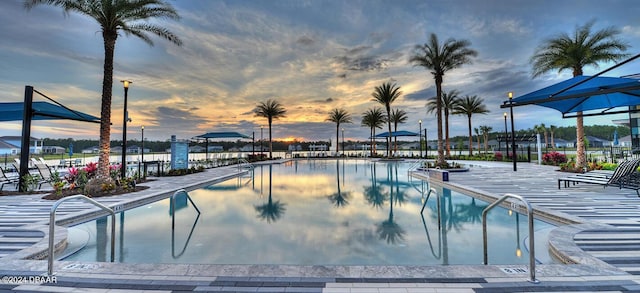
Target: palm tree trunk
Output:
{"points": [[105, 108], [546, 140], [581, 159], [372, 146], [486, 142], [389, 124], [270, 141], [337, 138], [440, 160], [395, 139], [470, 137], [446, 130]]}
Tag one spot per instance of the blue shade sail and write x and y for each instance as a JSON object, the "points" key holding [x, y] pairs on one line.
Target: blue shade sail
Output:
{"points": [[223, 135], [42, 111], [396, 133], [584, 93]]}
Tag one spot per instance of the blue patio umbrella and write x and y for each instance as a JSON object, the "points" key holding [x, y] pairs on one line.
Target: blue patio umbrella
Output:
{"points": [[70, 150], [615, 137]]}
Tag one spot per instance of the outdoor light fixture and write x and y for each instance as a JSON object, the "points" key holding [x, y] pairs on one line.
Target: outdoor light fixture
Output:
{"points": [[123, 168], [420, 135], [513, 133]]}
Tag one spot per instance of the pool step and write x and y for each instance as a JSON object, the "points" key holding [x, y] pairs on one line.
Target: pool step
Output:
{"points": [[618, 247]]}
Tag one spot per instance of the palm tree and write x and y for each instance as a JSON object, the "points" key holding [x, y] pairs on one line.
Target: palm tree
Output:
{"points": [[130, 17], [398, 116], [485, 130], [573, 52], [373, 118], [386, 94], [542, 129], [439, 59], [339, 116], [552, 129], [469, 105], [270, 109], [448, 101]]}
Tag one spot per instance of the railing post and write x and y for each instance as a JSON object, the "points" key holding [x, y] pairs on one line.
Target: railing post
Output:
{"points": [[532, 257], [52, 226]]}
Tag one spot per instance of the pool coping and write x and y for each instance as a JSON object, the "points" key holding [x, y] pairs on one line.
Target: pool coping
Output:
{"points": [[561, 243], [583, 263]]}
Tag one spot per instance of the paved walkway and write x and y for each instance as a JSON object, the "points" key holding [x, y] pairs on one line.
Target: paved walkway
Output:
{"points": [[604, 223]]}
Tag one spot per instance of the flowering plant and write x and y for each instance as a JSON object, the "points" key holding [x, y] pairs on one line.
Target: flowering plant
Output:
{"points": [[554, 158]]}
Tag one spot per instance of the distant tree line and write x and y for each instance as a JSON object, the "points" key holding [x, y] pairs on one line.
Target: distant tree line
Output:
{"points": [[161, 146]]}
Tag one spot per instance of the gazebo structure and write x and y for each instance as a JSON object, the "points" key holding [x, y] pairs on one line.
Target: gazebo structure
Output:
{"points": [[218, 135]]}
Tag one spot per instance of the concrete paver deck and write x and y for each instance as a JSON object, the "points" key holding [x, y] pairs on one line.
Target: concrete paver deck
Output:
{"points": [[601, 239]]}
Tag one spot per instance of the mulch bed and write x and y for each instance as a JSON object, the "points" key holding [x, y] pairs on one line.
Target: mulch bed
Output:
{"points": [[50, 195]]}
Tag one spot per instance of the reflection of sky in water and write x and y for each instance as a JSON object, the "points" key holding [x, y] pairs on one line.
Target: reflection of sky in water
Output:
{"points": [[322, 212]]}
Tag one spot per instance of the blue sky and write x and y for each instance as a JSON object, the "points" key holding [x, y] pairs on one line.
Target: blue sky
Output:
{"points": [[311, 56]]}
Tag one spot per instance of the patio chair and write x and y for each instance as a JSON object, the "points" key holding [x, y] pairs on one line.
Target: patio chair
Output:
{"points": [[624, 176], [45, 174], [5, 179]]}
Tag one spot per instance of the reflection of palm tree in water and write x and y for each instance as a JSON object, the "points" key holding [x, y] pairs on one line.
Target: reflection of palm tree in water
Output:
{"points": [[388, 229], [373, 194], [400, 196], [471, 213], [272, 210], [451, 219], [339, 199]]}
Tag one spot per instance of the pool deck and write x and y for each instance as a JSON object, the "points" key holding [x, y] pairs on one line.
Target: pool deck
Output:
{"points": [[601, 237]]}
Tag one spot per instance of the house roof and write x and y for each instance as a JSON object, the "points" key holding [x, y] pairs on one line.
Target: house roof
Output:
{"points": [[6, 145]]}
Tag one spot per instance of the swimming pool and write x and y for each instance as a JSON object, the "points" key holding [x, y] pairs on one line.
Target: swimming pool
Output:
{"points": [[311, 212]]}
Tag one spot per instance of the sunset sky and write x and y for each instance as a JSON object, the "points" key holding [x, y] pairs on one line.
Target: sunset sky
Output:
{"points": [[311, 56]]}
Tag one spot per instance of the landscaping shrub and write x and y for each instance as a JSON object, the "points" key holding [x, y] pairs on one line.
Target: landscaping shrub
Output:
{"points": [[554, 158]]}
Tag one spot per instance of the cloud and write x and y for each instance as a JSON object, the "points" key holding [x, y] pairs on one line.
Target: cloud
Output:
{"points": [[305, 41]]}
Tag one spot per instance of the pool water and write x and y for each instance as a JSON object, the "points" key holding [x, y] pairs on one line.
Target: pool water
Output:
{"points": [[312, 212]]}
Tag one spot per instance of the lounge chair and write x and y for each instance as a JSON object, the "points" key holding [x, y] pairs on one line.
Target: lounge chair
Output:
{"points": [[45, 174], [624, 176], [5, 179]]}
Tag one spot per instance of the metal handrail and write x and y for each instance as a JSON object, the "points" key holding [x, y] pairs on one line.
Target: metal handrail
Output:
{"points": [[532, 257], [242, 162], [415, 165], [173, 201], [424, 223], [427, 199], [52, 224], [172, 209]]}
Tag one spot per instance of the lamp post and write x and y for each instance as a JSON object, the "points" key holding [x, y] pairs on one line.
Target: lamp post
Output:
{"points": [[506, 136], [513, 134], [261, 142], [343, 140], [426, 144], [123, 168], [420, 135], [142, 142]]}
